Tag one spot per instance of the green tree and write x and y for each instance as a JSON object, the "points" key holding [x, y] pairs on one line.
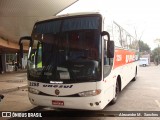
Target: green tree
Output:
{"points": [[144, 47], [156, 55]]}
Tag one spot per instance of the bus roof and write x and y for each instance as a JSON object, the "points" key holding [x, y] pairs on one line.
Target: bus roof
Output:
{"points": [[70, 15]]}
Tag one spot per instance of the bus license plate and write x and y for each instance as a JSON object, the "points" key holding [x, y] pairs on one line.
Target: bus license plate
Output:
{"points": [[55, 102]]}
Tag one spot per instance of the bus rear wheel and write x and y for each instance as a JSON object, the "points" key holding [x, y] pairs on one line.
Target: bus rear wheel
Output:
{"points": [[117, 90], [135, 77]]}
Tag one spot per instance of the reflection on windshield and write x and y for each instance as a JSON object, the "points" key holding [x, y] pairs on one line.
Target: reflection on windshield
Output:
{"points": [[69, 55], [70, 46]]}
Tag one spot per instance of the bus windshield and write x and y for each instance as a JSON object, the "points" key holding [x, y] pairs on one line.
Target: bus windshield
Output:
{"points": [[66, 50]]}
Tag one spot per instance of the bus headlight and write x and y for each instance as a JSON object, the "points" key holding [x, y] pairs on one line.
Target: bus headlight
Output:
{"points": [[90, 93], [32, 90]]}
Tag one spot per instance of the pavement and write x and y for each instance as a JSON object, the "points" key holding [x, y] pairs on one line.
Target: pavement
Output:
{"points": [[13, 86], [12, 81]]}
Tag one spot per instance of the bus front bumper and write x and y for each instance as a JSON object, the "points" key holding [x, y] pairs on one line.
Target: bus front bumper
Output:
{"points": [[86, 103]]}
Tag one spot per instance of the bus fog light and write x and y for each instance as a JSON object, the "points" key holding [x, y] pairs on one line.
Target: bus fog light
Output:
{"points": [[90, 93], [32, 90], [97, 103], [91, 104]]}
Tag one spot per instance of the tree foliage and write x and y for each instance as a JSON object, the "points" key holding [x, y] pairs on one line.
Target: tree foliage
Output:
{"points": [[144, 47], [155, 55]]}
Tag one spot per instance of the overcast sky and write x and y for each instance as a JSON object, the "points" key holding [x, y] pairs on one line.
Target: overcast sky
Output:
{"points": [[142, 16]]}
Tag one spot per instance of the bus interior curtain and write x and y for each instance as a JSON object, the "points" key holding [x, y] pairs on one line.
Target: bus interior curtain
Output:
{"points": [[68, 25], [80, 23], [48, 27]]}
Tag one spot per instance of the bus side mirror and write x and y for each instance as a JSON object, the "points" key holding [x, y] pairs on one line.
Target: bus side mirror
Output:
{"points": [[110, 49], [21, 44], [105, 33], [110, 45], [21, 50]]}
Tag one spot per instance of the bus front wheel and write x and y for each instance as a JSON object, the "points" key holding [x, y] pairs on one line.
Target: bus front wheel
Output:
{"points": [[117, 90]]}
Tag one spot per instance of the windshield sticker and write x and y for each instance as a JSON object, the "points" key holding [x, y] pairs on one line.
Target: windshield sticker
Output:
{"points": [[64, 75], [62, 69], [56, 82]]}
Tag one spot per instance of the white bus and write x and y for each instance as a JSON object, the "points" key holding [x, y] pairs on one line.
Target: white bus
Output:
{"points": [[79, 61]]}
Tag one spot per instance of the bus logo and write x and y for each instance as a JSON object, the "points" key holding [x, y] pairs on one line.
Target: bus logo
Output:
{"points": [[119, 58], [57, 92]]}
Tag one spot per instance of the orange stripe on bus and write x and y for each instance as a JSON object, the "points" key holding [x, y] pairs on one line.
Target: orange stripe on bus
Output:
{"points": [[123, 57]]}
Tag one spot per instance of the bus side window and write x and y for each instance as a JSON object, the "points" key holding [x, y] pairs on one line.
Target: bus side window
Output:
{"points": [[128, 41], [117, 35], [39, 56], [33, 58], [106, 60], [123, 38]]}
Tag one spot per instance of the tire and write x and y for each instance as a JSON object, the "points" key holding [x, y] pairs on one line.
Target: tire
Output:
{"points": [[135, 77], [117, 91]]}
